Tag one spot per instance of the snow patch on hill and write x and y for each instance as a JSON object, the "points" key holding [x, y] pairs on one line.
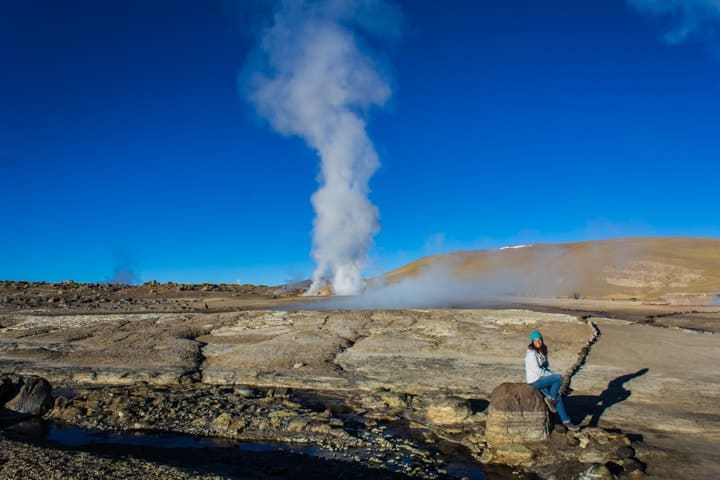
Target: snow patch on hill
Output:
{"points": [[514, 246]]}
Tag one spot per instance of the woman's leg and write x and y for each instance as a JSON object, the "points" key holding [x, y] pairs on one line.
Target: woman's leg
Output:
{"points": [[549, 385], [561, 410]]}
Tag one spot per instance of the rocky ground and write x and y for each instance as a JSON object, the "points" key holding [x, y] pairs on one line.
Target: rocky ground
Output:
{"points": [[69, 296], [208, 360]]}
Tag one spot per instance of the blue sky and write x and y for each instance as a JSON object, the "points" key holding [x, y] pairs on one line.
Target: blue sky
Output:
{"points": [[125, 142]]}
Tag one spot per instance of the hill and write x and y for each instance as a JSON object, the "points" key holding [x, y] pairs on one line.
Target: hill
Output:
{"points": [[678, 270]]}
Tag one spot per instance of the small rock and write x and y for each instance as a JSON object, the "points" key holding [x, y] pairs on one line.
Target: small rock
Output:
{"points": [[245, 392], [320, 428], [291, 404], [71, 413], [222, 422], [297, 425], [631, 464], [384, 399], [592, 456], [60, 402], [596, 472], [282, 413], [626, 451], [487, 456], [448, 411], [280, 392], [635, 475]]}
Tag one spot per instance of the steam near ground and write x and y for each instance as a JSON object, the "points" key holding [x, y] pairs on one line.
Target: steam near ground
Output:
{"points": [[598, 269], [440, 287], [434, 288]]}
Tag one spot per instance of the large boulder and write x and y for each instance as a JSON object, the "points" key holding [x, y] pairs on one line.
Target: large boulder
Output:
{"points": [[24, 395], [517, 415]]}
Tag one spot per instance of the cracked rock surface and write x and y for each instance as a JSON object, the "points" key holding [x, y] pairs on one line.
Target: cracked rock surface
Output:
{"points": [[431, 368]]}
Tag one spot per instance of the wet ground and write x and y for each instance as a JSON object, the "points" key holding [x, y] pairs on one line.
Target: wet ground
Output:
{"points": [[232, 459]]}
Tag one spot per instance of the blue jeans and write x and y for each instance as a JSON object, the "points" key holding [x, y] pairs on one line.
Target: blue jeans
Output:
{"points": [[550, 386]]}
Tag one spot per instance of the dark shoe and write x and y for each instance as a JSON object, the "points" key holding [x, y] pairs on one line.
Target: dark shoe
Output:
{"points": [[571, 426], [550, 404]]}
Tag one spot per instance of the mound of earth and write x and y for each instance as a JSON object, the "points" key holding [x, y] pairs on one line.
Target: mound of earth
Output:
{"points": [[660, 269]]}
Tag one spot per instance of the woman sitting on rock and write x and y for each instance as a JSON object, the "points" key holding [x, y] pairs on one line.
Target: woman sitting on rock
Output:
{"points": [[539, 375]]}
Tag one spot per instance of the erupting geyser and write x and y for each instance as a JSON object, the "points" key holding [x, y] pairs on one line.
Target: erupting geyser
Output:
{"points": [[313, 78]]}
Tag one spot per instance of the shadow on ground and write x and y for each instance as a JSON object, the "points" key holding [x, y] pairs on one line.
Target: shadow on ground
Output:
{"points": [[478, 405], [581, 406]]}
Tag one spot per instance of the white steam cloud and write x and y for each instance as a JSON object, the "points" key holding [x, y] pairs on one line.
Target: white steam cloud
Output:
{"points": [[436, 287], [439, 285], [687, 18], [314, 78]]}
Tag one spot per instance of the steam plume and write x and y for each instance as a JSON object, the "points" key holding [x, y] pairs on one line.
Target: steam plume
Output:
{"points": [[124, 272], [688, 18], [315, 80]]}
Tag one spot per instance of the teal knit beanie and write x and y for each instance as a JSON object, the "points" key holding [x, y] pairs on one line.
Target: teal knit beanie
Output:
{"points": [[535, 334]]}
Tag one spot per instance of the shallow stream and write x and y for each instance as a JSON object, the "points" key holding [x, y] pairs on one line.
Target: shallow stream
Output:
{"points": [[221, 454]]}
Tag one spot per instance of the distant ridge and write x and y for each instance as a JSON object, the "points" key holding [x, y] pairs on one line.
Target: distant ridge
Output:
{"points": [[645, 268]]}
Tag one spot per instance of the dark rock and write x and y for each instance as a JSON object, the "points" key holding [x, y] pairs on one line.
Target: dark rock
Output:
{"points": [[626, 451], [632, 464], [516, 397], [516, 414], [24, 395]]}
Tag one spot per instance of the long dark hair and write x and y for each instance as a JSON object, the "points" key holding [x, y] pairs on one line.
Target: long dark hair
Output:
{"points": [[542, 349]]}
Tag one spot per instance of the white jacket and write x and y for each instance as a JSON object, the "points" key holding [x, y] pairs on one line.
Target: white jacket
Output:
{"points": [[536, 366]]}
